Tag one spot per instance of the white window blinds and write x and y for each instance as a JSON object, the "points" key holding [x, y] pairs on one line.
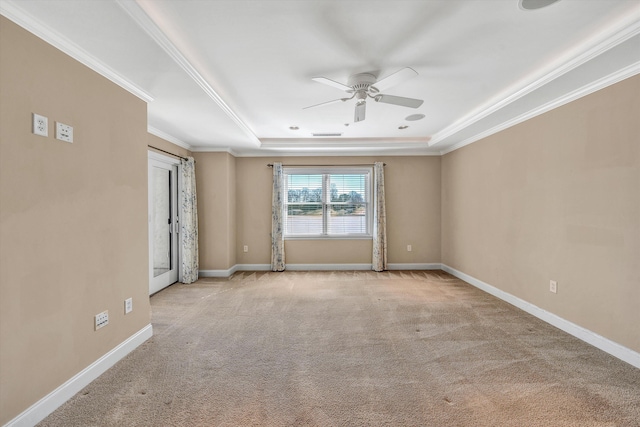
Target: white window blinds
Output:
{"points": [[331, 202]]}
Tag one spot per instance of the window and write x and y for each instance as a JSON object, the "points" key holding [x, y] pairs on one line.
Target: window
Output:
{"points": [[327, 202]]}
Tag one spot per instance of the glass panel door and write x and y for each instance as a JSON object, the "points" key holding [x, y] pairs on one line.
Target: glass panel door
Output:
{"points": [[163, 223], [161, 220]]}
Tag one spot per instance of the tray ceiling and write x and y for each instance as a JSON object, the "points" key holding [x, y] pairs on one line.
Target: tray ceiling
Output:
{"points": [[235, 75]]}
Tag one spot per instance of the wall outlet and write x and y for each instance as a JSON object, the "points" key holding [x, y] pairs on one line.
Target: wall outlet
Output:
{"points": [[408, 248], [128, 305], [40, 125], [64, 132], [246, 248], [553, 286], [102, 319]]}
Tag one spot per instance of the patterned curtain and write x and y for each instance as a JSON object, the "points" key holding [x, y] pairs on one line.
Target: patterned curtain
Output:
{"points": [[379, 262], [277, 233], [189, 222]]}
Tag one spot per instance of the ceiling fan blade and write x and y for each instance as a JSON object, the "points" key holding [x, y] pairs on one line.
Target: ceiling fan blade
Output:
{"points": [[399, 100], [327, 103], [332, 83], [395, 78], [360, 112]]}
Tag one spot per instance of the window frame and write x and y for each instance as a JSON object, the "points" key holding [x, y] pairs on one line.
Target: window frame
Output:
{"points": [[326, 171]]}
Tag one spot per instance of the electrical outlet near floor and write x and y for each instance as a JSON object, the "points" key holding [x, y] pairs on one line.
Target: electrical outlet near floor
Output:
{"points": [[246, 248], [409, 248], [102, 319], [128, 305], [553, 286]]}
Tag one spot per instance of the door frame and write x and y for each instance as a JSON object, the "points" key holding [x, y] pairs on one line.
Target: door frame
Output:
{"points": [[157, 159]]}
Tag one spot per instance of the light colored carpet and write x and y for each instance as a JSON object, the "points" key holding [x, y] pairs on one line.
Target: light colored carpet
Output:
{"points": [[353, 349]]}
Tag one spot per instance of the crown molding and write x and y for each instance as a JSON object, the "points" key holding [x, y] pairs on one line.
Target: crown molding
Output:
{"points": [[201, 149], [599, 44], [161, 134], [13, 12], [342, 143], [140, 17], [335, 153], [344, 147], [594, 86]]}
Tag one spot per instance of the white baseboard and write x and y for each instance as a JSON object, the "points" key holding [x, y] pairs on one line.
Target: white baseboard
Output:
{"points": [[238, 267], [290, 267], [623, 353], [327, 267], [218, 273], [341, 267], [316, 267], [45, 406], [410, 266], [253, 267]]}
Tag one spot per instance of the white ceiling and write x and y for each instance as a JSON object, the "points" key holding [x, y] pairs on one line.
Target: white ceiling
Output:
{"points": [[234, 75]]}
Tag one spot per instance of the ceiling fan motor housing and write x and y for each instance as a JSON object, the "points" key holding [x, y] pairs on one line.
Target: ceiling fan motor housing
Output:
{"points": [[361, 83]]}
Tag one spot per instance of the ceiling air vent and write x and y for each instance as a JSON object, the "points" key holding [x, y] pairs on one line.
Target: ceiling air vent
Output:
{"points": [[326, 134]]}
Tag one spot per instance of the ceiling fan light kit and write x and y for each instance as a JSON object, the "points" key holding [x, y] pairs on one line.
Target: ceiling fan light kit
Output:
{"points": [[360, 111], [366, 85]]}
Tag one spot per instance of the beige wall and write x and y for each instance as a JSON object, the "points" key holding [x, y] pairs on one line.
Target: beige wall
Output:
{"points": [[216, 189], [165, 145], [412, 186], [556, 197], [73, 219]]}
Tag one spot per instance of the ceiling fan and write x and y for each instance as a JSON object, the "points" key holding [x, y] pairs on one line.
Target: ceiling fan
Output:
{"points": [[365, 85]]}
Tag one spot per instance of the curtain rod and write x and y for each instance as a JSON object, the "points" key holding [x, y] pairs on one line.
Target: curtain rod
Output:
{"points": [[319, 166], [164, 151]]}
